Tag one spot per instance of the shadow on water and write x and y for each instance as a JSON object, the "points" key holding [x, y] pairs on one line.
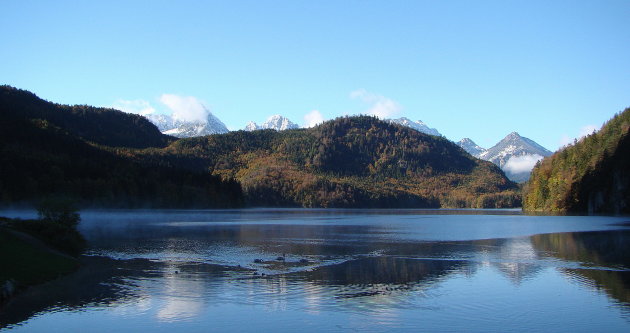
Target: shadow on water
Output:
{"points": [[369, 275], [607, 252]]}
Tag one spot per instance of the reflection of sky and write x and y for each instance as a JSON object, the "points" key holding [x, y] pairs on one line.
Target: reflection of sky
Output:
{"points": [[181, 298], [485, 301], [503, 283]]}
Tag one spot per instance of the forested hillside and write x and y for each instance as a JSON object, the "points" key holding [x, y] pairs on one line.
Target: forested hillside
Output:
{"points": [[347, 162], [50, 150], [592, 175], [99, 125], [104, 157]]}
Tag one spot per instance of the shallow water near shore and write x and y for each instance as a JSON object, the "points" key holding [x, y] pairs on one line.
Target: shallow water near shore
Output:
{"points": [[337, 270]]}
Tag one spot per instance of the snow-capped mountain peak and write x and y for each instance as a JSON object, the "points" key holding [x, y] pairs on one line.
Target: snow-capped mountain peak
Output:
{"points": [[251, 126], [516, 155], [279, 123], [418, 125], [513, 144], [186, 129], [275, 122]]}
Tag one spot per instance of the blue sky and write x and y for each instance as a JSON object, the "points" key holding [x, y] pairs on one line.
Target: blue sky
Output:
{"points": [[478, 69]]}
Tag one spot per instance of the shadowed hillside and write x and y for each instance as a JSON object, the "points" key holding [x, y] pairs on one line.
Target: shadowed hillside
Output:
{"points": [[104, 126], [49, 150]]}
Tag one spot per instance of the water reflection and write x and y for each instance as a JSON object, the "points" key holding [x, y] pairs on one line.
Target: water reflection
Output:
{"points": [[382, 270], [105, 283], [177, 271], [518, 260], [604, 255]]}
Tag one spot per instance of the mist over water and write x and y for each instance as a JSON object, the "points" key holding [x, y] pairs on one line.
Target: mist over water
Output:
{"points": [[314, 270]]}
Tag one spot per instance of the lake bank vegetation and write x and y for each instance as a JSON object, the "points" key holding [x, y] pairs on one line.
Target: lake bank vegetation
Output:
{"points": [[38, 250], [591, 175]]}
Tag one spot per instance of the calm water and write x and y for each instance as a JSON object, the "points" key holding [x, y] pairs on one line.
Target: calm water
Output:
{"points": [[338, 270]]}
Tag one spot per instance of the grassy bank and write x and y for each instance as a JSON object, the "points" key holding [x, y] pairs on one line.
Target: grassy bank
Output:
{"points": [[26, 261]]}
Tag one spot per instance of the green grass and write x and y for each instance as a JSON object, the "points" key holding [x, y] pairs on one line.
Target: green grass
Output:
{"points": [[27, 263]]}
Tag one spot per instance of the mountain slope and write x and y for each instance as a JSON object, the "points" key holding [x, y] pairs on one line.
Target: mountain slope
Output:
{"points": [[348, 162], [99, 125], [471, 147], [590, 176]]}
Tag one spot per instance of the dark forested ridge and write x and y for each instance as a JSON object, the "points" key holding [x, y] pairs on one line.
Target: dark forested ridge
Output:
{"points": [[46, 154], [50, 149], [99, 125], [592, 175]]}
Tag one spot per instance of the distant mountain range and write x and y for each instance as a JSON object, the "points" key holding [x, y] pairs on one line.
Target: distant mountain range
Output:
{"points": [[515, 155], [189, 129]]}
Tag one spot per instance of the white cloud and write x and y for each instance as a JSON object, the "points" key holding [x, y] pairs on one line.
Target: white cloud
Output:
{"points": [[565, 140], [313, 118], [523, 163], [137, 106], [185, 108], [380, 106], [584, 131], [587, 130]]}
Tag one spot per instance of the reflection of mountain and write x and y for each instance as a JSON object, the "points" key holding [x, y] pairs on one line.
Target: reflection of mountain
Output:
{"points": [[603, 249], [517, 260]]}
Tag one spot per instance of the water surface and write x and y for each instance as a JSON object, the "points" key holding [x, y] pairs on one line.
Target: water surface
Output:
{"points": [[338, 270]]}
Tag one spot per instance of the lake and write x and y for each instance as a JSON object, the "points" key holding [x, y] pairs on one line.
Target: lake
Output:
{"points": [[313, 270]]}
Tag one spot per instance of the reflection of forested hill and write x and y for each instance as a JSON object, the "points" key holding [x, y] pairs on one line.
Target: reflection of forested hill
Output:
{"points": [[607, 249]]}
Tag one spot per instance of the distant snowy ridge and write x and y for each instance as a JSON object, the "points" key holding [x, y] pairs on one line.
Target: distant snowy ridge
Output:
{"points": [[471, 147], [186, 129], [417, 125], [275, 122]]}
